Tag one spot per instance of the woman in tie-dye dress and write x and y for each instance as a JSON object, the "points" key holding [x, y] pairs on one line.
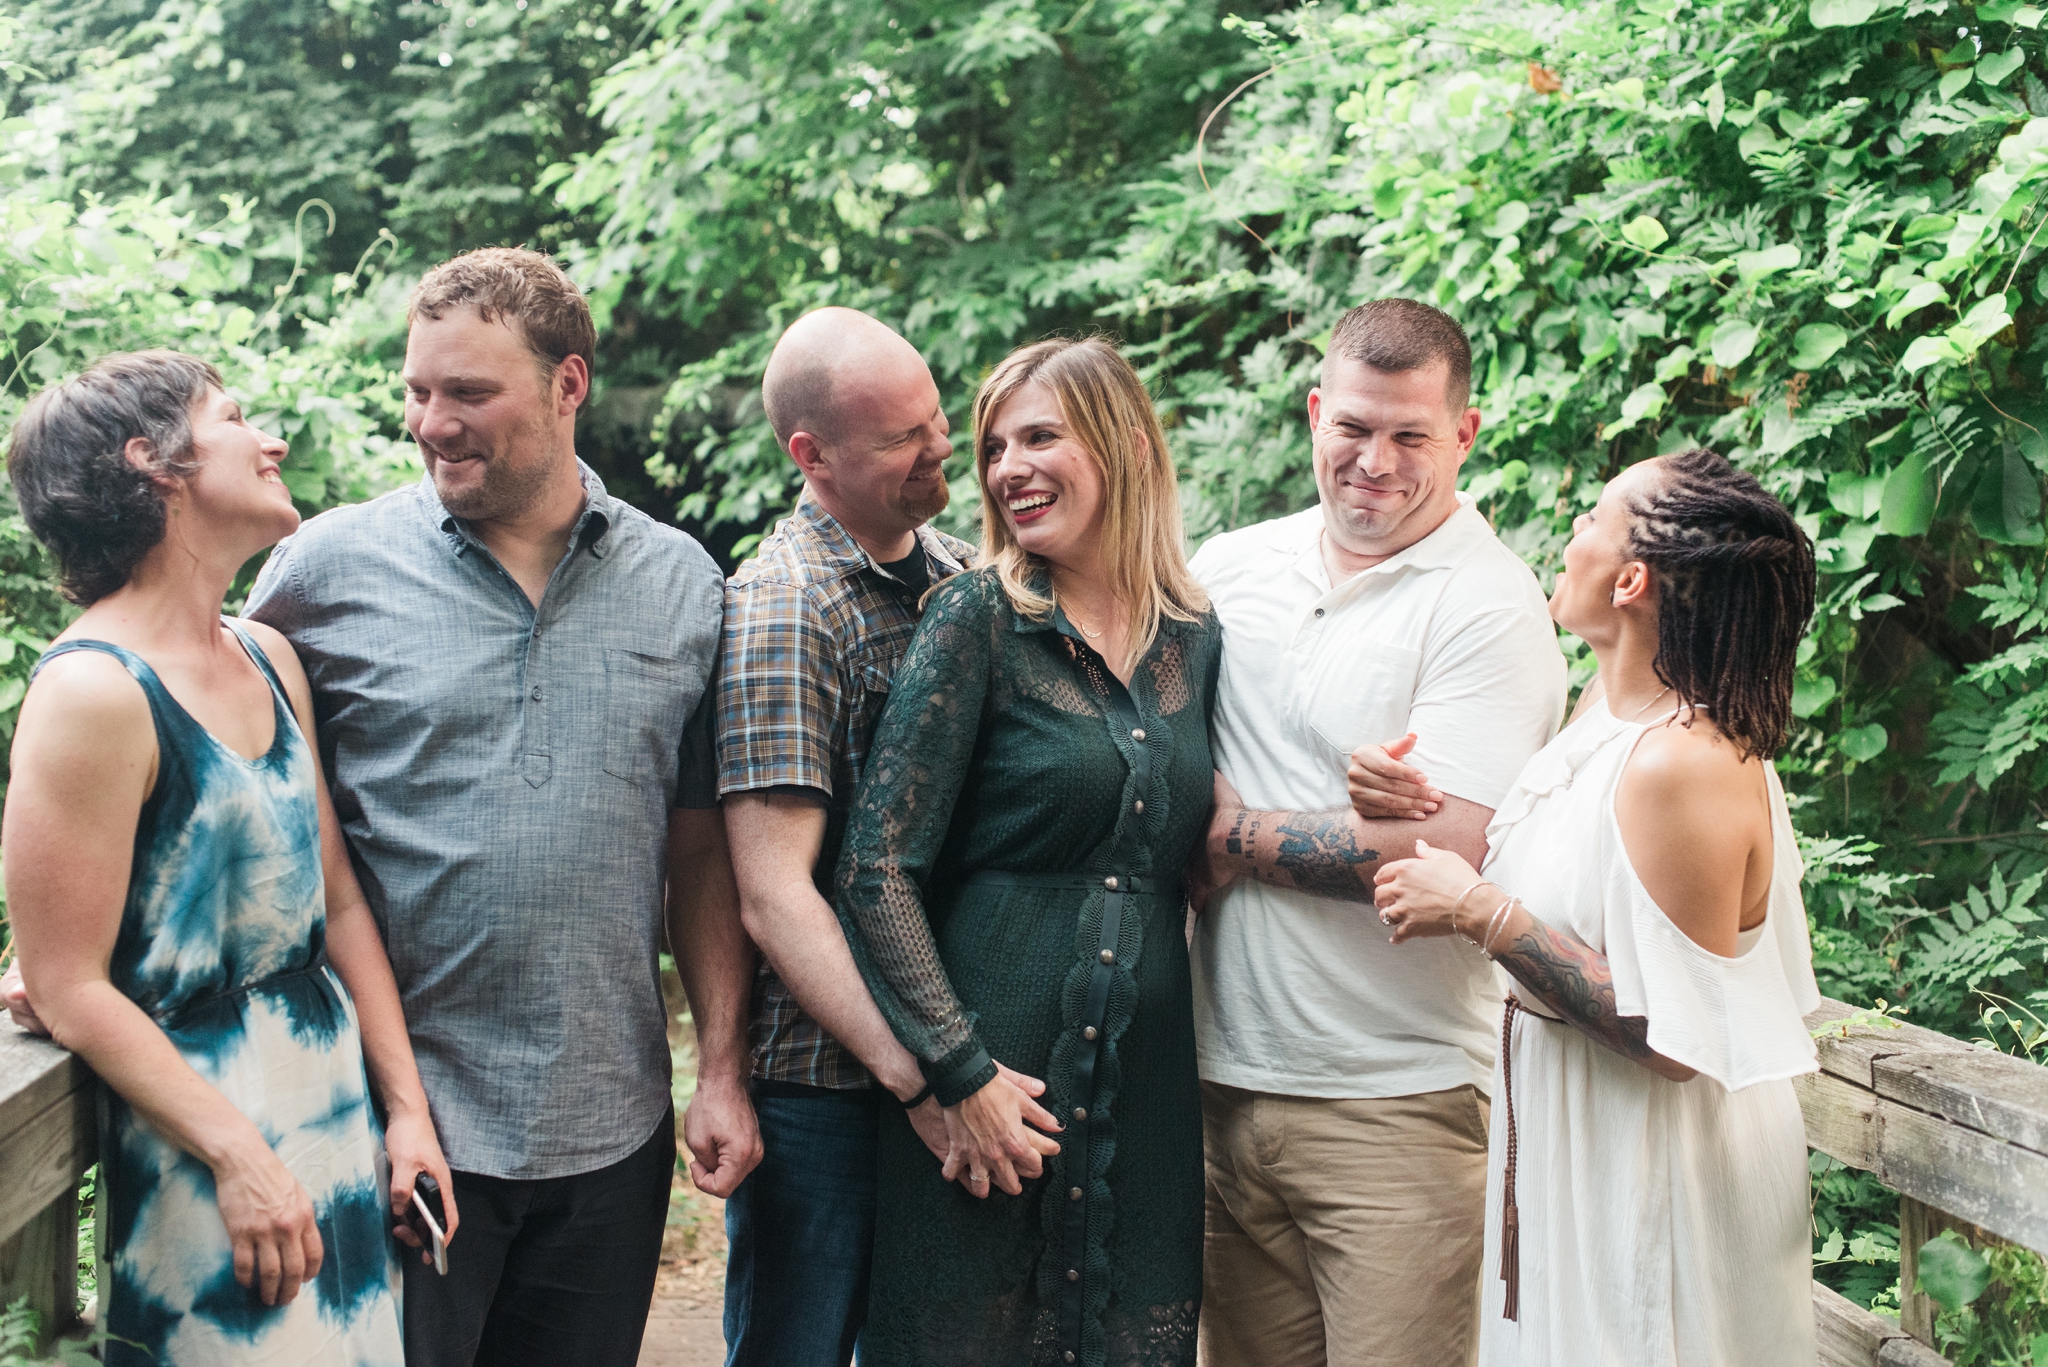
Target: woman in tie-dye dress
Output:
{"points": [[186, 914]]}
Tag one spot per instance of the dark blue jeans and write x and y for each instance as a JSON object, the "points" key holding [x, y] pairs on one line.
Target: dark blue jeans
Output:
{"points": [[802, 1231]]}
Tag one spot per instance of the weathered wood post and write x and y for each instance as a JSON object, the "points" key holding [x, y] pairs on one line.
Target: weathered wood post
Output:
{"points": [[47, 1141]]}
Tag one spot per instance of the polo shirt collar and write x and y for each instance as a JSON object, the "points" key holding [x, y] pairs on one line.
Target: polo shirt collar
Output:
{"points": [[593, 525], [1442, 549]]}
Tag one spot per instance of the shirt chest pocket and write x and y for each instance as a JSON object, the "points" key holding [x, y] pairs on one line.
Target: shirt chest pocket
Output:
{"points": [[1363, 698], [870, 698], [647, 702]]}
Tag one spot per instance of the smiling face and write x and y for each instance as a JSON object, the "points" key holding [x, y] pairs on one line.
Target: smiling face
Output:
{"points": [[237, 492], [1048, 484], [492, 429], [1597, 561], [890, 439], [1387, 448]]}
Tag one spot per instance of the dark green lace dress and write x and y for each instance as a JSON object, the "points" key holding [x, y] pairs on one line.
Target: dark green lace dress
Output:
{"points": [[1010, 886]]}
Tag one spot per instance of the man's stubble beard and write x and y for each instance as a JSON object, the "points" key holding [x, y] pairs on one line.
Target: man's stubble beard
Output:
{"points": [[506, 489]]}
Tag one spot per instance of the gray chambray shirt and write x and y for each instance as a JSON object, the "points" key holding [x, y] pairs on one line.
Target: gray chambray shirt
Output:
{"points": [[504, 776]]}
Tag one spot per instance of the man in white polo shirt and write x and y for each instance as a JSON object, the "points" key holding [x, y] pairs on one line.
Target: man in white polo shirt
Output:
{"points": [[1344, 1086]]}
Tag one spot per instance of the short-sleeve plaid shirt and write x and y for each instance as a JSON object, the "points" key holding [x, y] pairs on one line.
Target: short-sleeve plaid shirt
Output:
{"points": [[814, 629]]}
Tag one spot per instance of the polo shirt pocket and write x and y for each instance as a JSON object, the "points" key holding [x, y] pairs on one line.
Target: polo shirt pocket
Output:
{"points": [[647, 703], [1365, 700]]}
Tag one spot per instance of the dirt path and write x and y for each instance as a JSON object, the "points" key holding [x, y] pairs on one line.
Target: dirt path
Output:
{"points": [[683, 1329]]}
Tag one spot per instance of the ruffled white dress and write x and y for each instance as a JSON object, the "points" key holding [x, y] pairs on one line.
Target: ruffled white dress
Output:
{"points": [[1662, 1224]]}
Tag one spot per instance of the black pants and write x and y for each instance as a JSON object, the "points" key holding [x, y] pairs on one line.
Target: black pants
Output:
{"points": [[552, 1273]]}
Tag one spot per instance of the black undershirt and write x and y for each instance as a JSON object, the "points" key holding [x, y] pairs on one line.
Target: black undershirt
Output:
{"points": [[913, 572]]}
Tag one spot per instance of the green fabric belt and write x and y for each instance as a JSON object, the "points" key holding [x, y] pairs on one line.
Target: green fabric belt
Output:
{"points": [[1127, 883]]}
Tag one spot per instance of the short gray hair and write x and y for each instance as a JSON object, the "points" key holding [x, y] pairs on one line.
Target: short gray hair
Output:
{"points": [[94, 510]]}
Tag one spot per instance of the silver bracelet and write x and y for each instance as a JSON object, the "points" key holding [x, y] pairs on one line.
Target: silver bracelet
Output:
{"points": [[1454, 913], [1495, 924]]}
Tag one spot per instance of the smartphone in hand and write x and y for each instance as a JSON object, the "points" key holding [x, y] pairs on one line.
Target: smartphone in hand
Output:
{"points": [[427, 1219]]}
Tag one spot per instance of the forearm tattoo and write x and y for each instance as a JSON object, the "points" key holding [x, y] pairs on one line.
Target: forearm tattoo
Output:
{"points": [[1319, 853], [1570, 977]]}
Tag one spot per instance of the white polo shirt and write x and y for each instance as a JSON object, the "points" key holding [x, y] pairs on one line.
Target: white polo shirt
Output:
{"points": [[1302, 995]]}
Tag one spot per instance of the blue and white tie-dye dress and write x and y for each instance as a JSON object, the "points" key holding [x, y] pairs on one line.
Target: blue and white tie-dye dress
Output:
{"points": [[222, 942]]}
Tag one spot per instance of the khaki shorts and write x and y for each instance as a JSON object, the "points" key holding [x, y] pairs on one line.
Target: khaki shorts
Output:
{"points": [[1342, 1232]]}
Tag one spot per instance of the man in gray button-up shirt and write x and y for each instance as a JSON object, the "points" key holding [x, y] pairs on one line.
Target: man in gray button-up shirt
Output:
{"points": [[511, 674]]}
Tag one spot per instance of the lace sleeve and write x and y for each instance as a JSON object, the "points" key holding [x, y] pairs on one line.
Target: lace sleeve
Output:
{"points": [[898, 825]]}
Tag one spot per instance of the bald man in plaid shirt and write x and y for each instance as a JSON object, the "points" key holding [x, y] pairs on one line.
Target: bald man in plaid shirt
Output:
{"points": [[815, 625]]}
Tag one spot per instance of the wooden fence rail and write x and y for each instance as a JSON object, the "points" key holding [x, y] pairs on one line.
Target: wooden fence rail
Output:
{"points": [[1960, 1132], [47, 1141]]}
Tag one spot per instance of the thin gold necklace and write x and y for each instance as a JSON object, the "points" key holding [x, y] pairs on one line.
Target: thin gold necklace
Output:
{"points": [[1076, 620]]}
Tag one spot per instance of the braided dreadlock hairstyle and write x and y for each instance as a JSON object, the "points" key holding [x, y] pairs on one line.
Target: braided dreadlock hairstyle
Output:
{"points": [[1735, 581]]}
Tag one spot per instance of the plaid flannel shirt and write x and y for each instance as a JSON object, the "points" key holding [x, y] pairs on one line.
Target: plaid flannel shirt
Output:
{"points": [[814, 629]]}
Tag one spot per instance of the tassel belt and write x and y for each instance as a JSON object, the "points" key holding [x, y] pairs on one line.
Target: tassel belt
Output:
{"points": [[1510, 1231]]}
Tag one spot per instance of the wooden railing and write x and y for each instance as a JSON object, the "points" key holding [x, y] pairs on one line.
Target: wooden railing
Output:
{"points": [[47, 1141], [1960, 1132]]}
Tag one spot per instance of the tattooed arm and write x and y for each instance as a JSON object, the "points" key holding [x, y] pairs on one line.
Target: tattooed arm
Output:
{"points": [[1420, 897], [1573, 980], [1332, 853]]}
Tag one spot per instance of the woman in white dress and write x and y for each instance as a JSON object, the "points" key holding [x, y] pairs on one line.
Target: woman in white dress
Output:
{"points": [[1646, 1195]]}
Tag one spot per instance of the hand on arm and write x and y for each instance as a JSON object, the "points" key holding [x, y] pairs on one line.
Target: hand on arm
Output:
{"points": [[84, 760], [716, 963], [356, 950], [1438, 893], [1382, 787]]}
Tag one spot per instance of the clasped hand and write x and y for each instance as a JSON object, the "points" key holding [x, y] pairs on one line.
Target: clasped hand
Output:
{"points": [[990, 1138]]}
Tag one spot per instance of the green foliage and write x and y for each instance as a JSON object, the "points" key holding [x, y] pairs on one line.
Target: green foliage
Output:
{"points": [[950, 167], [20, 1330], [1993, 1302], [1856, 1234], [435, 121], [1951, 1272], [138, 273]]}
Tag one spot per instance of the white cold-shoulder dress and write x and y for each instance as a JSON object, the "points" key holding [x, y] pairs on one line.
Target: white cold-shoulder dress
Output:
{"points": [[1661, 1224]]}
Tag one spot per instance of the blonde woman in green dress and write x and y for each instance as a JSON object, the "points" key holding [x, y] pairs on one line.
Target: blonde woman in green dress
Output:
{"points": [[1011, 890]]}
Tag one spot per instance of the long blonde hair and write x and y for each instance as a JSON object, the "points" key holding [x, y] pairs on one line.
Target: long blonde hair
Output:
{"points": [[1106, 406]]}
